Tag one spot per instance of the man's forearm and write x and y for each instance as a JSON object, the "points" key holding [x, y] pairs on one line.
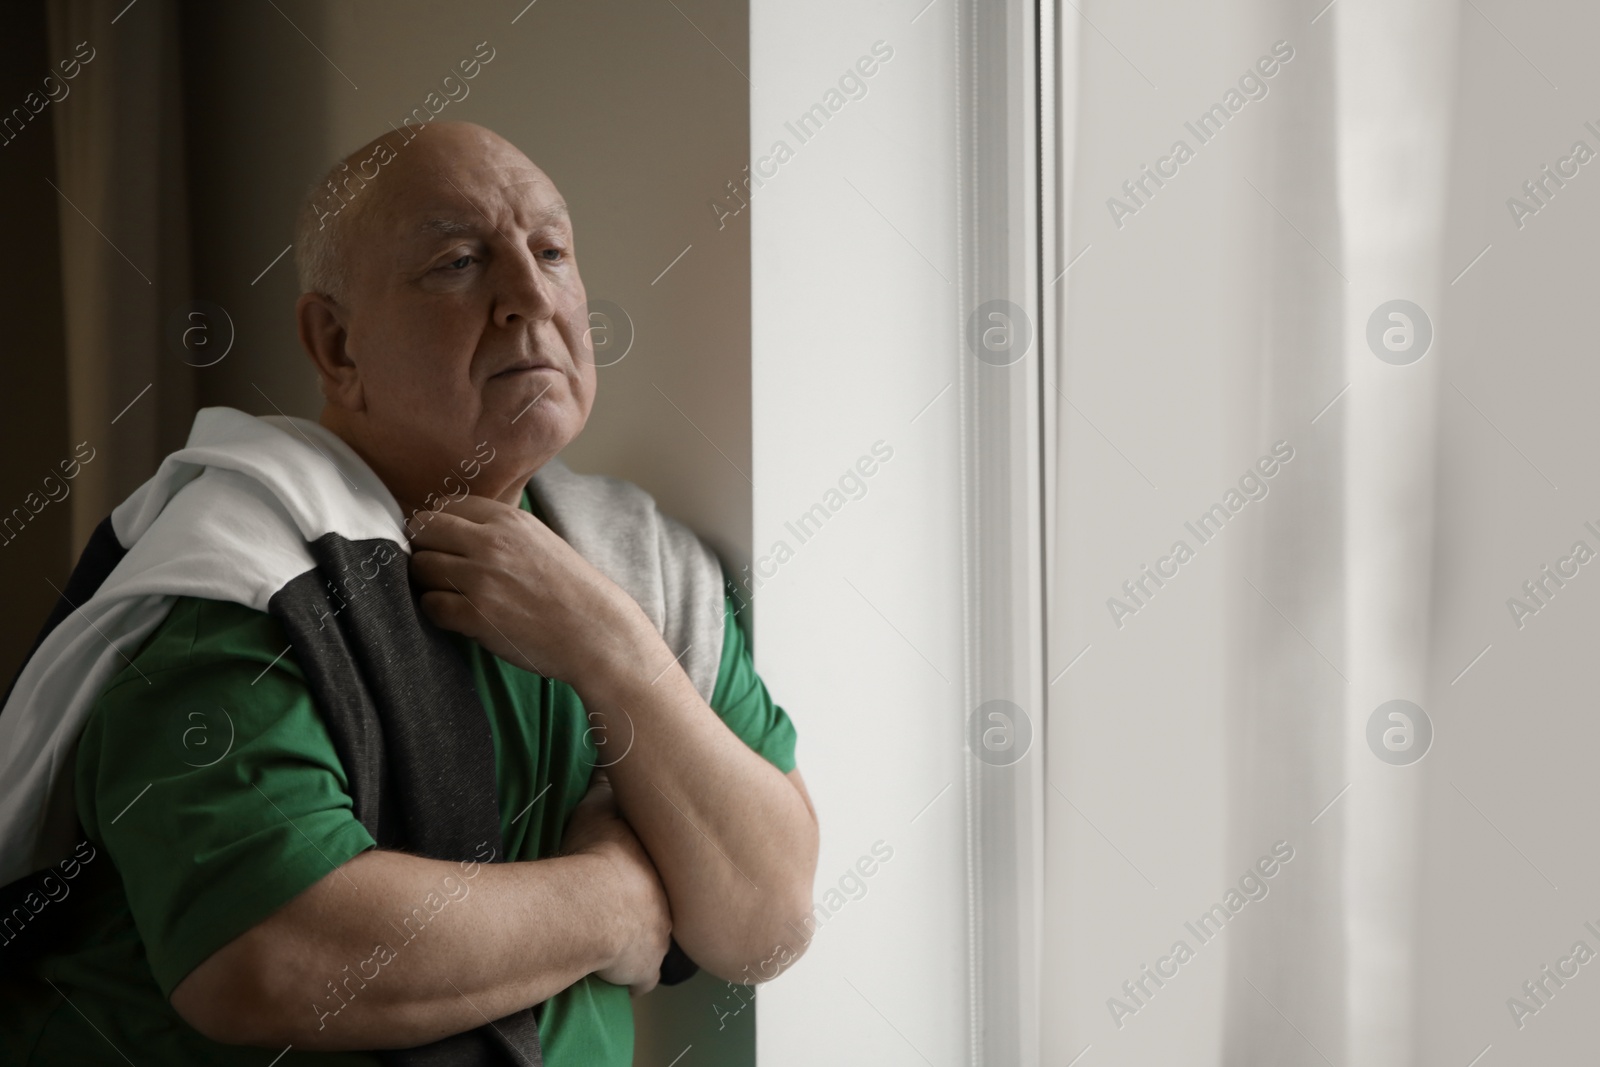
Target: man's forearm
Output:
{"points": [[732, 839], [731, 836], [393, 950]]}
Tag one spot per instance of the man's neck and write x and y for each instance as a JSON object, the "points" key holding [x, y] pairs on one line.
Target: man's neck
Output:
{"points": [[429, 486]]}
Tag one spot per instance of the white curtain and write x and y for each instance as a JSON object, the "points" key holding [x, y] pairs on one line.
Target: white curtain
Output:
{"points": [[1396, 81], [1211, 324]]}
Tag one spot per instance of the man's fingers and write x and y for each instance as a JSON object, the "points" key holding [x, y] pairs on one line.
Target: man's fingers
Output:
{"points": [[472, 509], [443, 570], [479, 508], [442, 531], [449, 610]]}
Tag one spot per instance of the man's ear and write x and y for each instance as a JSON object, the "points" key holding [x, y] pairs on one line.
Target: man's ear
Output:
{"points": [[320, 322]]}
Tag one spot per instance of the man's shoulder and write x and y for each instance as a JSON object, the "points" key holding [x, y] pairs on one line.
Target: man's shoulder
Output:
{"points": [[574, 494], [614, 522], [199, 633]]}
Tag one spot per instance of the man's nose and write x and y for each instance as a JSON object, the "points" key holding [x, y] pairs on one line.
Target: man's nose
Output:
{"points": [[521, 289]]}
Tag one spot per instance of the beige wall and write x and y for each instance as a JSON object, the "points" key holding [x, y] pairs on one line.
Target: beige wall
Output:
{"points": [[637, 118], [630, 110]]}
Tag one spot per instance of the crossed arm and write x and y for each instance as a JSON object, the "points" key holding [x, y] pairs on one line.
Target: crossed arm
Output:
{"points": [[692, 834]]}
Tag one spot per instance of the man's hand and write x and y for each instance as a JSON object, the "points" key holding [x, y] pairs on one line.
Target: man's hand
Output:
{"points": [[597, 828], [724, 834], [498, 575]]}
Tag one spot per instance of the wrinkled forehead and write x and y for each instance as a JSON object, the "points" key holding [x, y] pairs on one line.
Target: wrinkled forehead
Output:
{"points": [[464, 190]]}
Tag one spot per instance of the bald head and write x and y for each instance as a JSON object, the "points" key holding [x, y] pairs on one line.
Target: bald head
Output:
{"points": [[443, 309], [366, 183]]}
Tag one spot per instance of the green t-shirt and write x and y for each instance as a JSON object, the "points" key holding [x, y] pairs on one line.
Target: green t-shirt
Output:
{"points": [[206, 776]]}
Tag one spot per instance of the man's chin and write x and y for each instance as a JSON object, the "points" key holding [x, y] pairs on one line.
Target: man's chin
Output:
{"points": [[538, 432]]}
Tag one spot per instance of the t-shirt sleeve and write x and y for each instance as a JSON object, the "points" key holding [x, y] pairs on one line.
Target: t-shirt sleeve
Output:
{"points": [[207, 774], [741, 698]]}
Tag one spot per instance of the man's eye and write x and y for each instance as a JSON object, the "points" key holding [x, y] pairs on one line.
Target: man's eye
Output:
{"points": [[458, 264], [559, 253]]}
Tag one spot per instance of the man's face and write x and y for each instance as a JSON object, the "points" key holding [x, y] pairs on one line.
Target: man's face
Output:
{"points": [[466, 316]]}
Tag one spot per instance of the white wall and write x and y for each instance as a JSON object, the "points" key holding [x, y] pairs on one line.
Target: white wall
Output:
{"points": [[854, 332]]}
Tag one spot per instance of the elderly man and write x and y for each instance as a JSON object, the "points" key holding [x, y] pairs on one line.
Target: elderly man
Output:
{"points": [[461, 821]]}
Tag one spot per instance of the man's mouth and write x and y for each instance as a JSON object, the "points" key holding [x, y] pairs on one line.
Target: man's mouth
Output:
{"points": [[525, 367]]}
